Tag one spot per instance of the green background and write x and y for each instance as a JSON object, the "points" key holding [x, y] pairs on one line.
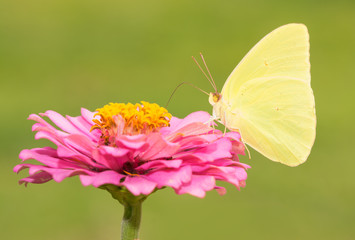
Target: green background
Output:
{"points": [[63, 55]]}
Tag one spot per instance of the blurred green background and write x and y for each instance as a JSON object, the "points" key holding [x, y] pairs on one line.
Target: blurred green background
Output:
{"points": [[64, 55]]}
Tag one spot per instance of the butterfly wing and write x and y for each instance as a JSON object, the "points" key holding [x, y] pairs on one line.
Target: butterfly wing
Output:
{"points": [[283, 52], [268, 97], [276, 116]]}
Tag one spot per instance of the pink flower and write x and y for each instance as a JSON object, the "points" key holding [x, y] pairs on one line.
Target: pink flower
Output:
{"points": [[139, 147]]}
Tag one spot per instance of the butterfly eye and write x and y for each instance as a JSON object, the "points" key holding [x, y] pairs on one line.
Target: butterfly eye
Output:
{"points": [[216, 97]]}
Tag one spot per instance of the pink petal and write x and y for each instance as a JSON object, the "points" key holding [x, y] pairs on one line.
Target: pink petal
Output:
{"points": [[191, 129], [107, 177], [132, 142], [84, 127], [61, 122], [79, 159], [197, 186], [40, 177], [200, 116], [87, 180], [220, 190], [158, 164], [218, 149], [159, 148], [238, 148], [138, 185], [87, 115], [41, 123], [192, 142], [232, 175], [80, 144], [112, 158], [43, 126], [172, 178], [233, 135], [48, 136], [58, 175], [43, 155]]}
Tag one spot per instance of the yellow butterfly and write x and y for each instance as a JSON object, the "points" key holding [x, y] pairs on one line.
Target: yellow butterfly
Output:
{"points": [[268, 97]]}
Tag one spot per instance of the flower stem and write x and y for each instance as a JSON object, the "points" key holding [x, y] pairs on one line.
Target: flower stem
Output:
{"points": [[131, 220], [132, 210]]}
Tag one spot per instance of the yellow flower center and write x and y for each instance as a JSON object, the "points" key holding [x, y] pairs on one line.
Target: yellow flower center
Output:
{"points": [[139, 118]]}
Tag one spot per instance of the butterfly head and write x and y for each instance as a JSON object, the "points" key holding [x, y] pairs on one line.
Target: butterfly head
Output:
{"points": [[214, 98]]}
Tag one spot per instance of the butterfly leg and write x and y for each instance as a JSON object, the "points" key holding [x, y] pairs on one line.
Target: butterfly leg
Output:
{"points": [[246, 147], [212, 119], [225, 128]]}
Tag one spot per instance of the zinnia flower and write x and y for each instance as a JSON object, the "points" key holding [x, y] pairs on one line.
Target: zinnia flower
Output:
{"points": [[139, 148]]}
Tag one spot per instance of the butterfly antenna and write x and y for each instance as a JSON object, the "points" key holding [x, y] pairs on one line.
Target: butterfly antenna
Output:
{"points": [[212, 83], [180, 86]]}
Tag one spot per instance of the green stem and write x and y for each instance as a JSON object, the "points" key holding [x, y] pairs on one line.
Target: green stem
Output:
{"points": [[132, 210], [131, 220]]}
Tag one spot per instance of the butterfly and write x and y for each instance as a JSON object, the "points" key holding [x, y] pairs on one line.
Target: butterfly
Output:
{"points": [[268, 97]]}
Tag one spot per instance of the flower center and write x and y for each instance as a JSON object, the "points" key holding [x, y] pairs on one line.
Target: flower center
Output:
{"points": [[131, 119]]}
